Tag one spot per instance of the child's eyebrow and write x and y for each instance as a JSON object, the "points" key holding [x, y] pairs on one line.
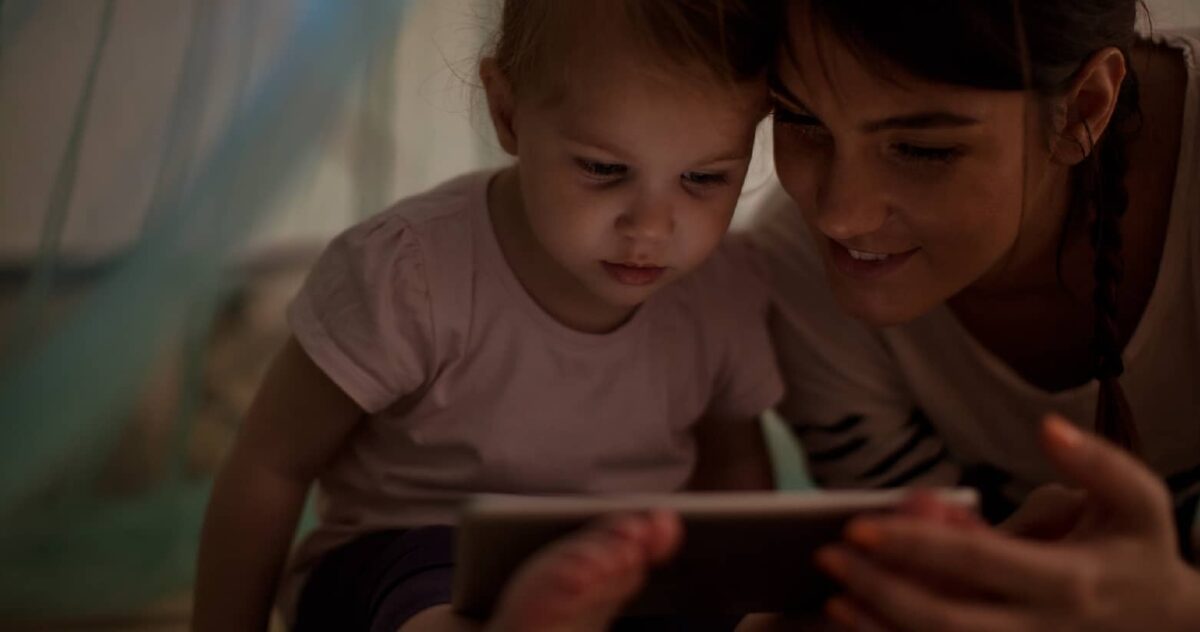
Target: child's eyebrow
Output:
{"points": [[724, 156], [593, 143]]}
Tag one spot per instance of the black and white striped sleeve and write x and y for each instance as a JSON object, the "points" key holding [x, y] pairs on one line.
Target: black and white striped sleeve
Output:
{"points": [[851, 411]]}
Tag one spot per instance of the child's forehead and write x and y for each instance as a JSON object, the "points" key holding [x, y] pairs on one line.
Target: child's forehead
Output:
{"points": [[653, 99], [693, 117], [627, 75], [600, 42]]}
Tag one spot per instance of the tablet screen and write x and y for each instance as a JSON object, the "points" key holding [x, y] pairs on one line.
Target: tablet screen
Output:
{"points": [[741, 552]]}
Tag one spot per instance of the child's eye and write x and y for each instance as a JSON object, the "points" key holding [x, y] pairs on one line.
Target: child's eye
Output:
{"points": [[704, 179], [926, 154], [602, 170]]}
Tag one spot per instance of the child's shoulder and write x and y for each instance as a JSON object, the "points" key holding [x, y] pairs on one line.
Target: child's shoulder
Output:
{"points": [[452, 202], [434, 224]]}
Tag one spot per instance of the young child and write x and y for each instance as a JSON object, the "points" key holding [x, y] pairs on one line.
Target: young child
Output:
{"points": [[569, 324]]}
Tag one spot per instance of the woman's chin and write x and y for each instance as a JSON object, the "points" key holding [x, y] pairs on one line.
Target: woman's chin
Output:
{"points": [[878, 307]]}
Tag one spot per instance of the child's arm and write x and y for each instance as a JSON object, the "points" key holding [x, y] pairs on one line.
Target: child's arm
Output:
{"points": [[731, 456], [298, 420]]}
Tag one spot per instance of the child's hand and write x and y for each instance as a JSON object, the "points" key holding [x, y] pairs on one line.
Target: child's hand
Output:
{"points": [[1115, 568], [582, 581]]}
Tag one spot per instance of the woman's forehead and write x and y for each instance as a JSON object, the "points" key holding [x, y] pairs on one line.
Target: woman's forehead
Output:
{"points": [[820, 72]]}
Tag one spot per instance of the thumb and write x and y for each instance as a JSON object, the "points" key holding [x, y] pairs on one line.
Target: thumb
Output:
{"points": [[1131, 495], [1048, 513]]}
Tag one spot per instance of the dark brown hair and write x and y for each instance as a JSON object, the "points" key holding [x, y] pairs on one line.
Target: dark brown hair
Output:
{"points": [[726, 38], [1036, 45]]}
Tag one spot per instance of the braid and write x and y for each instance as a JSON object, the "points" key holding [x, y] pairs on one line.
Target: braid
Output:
{"points": [[1100, 185]]}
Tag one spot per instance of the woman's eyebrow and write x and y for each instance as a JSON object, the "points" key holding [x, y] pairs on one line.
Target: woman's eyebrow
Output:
{"points": [[921, 120], [935, 119]]}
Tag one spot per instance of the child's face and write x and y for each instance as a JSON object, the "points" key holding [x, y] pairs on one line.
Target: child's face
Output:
{"points": [[629, 180]]}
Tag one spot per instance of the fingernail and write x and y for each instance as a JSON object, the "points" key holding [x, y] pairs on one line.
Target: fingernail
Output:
{"points": [[1062, 433], [833, 562], [839, 610], [865, 535]]}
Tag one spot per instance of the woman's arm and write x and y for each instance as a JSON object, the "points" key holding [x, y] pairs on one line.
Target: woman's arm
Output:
{"points": [[297, 422]]}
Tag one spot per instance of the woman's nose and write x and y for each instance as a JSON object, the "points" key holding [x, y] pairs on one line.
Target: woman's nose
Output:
{"points": [[848, 203]]}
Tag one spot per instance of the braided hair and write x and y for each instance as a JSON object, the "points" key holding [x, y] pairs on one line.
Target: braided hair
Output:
{"points": [[1098, 192]]}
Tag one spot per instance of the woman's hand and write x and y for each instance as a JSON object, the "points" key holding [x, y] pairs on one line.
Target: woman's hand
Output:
{"points": [[1049, 513], [1106, 559]]}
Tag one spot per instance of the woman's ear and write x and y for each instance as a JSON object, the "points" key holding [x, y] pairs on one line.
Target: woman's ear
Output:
{"points": [[501, 104], [1088, 105]]}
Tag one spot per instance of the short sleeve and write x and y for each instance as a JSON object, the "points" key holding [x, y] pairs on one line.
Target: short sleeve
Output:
{"points": [[364, 313], [747, 381], [846, 398]]}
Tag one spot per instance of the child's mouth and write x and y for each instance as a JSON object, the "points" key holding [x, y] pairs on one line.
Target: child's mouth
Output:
{"points": [[633, 274]]}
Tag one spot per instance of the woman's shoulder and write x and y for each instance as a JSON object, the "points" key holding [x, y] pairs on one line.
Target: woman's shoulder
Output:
{"points": [[785, 246], [791, 264], [1179, 37]]}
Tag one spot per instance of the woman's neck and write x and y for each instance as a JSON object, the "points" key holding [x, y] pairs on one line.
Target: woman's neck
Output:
{"points": [[1042, 326]]}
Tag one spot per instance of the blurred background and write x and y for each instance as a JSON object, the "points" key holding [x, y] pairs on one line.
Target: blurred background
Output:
{"points": [[168, 171]]}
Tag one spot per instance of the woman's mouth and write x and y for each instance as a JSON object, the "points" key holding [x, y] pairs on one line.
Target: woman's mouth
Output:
{"points": [[632, 273], [864, 264]]}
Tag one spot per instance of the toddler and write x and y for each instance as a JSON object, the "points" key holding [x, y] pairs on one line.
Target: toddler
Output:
{"points": [[573, 323]]}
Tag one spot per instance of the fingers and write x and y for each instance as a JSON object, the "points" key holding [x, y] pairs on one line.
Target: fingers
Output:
{"points": [[1048, 513], [658, 534], [923, 503], [975, 561], [666, 536], [849, 615], [1113, 478], [896, 603]]}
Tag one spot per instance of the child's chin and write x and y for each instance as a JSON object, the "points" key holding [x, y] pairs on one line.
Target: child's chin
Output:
{"points": [[633, 295]]}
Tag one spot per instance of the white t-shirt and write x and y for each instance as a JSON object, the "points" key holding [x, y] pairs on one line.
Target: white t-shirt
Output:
{"points": [[925, 403], [470, 387]]}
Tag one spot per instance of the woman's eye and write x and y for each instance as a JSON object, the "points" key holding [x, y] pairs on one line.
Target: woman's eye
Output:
{"points": [[927, 154], [602, 170], [805, 127], [704, 179]]}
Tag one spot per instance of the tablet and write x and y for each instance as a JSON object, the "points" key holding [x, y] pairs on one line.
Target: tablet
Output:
{"points": [[741, 552]]}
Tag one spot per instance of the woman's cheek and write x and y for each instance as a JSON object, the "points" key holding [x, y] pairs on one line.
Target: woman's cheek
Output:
{"points": [[797, 173]]}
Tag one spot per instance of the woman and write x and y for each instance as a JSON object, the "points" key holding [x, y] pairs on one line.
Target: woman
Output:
{"points": [[994, 213]]}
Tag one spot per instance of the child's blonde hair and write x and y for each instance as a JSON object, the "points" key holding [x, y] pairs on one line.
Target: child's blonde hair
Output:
{"points": [[728, 39]]}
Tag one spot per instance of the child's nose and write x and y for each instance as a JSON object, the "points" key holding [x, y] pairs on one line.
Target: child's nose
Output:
{"points": [[647, 220]]}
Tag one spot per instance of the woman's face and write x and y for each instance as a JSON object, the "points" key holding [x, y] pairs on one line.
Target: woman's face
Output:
{"points": [[913, 190]]}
